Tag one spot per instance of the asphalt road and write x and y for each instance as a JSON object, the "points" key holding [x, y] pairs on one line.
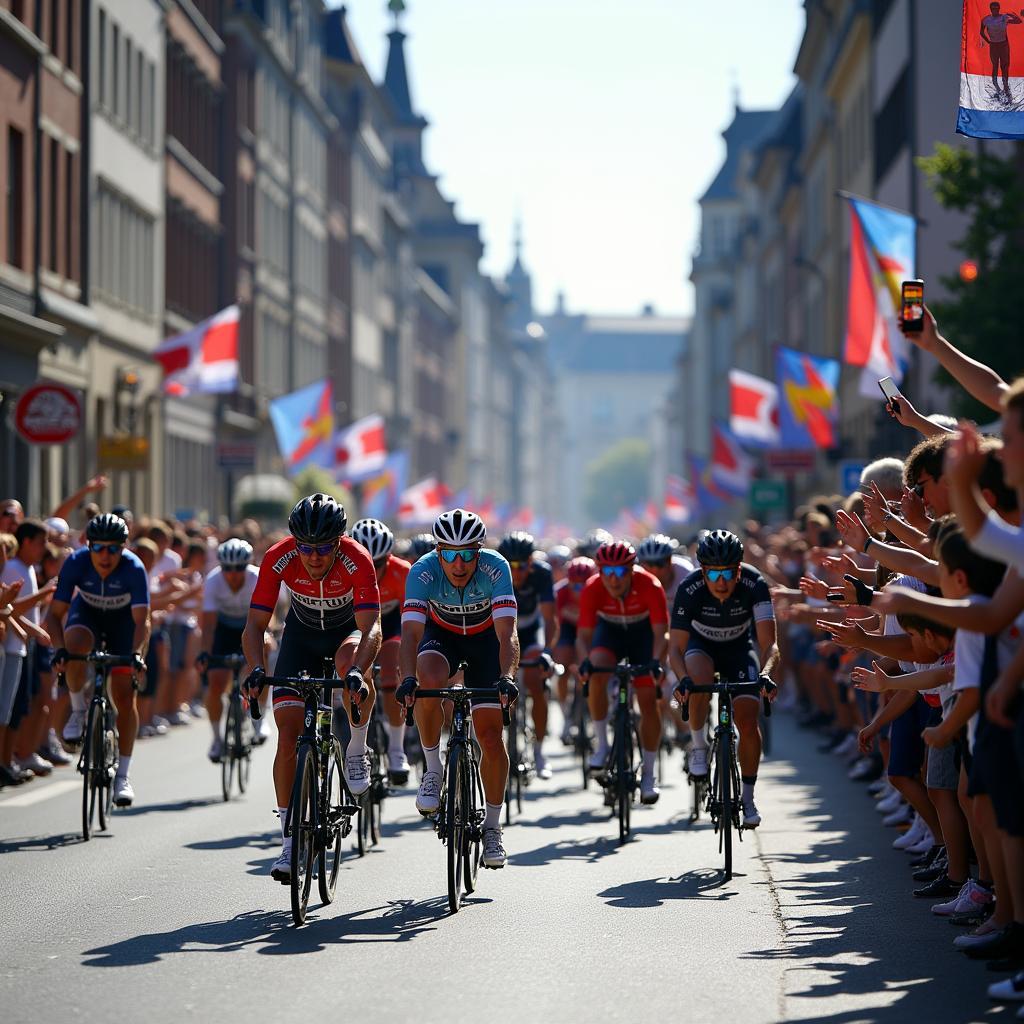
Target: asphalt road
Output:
{"points": [[172, 915]]}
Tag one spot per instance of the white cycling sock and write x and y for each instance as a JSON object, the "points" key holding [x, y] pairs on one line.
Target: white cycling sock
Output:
{"points": [[538, 752], [748, 790], [650, 756], [492, 816], [698, 738], [124, 762], [601, 735], [396, 738], [432, 757], [215, 727], [78, 701], [282, 814], [357, 744]]}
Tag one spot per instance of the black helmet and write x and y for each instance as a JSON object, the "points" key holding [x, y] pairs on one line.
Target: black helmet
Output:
{"points": [[317, 519], [517, 546], [720, 547], [420, 545], [107, 528]]}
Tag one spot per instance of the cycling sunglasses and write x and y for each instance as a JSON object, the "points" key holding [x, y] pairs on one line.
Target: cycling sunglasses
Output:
{"points": [[918, 488], [466, 554], [96, 547], [714, 575], [380, 563], [320, 549], [614, 570]]}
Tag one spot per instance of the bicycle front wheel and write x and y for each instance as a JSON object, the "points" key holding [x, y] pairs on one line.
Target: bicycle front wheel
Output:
{"points": [[302, 814], [91, 762], [725, 770], [229, 750], [474, 800], [243, 748], [624, 770], [455, 825], [331, 802]]}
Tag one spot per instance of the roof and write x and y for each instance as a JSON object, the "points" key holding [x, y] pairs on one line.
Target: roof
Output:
{"points": [[746, 130], [786, 129], [338, 41], [617, 344]]}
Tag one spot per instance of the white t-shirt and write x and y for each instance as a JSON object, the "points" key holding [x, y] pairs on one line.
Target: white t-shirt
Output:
{"points": [[892, 627], [232, 607], [1001, 542], [15, 570]]}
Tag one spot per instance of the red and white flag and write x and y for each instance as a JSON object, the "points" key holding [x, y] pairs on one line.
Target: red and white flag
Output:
{"points": [[423, 502], [754, 408], [203, 360], [679, 500], [361, 449], [731, 467]]}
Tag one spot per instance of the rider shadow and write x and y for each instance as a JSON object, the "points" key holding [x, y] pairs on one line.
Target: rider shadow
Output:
{"points": [[647, 893], [22, 844], [172, 807], [590, 851], [260, 840], [585, 817]]}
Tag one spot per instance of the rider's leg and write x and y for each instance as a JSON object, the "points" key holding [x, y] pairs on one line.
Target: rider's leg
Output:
{"points": [[701, 670], [564, 654], [490, 734], [597, 701], [745, 713], [343, 659], [389, 672], [217, 680], [122, 692], [650, 731], [534, 679], [432, 671]]}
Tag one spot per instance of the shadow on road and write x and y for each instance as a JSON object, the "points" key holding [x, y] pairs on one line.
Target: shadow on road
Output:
{"points": [[589, 851], [702, 884], [21, 844], [176, 805], [260, 840]]}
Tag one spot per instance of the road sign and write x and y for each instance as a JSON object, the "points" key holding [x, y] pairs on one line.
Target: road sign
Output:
{"points": [[849, 475], [789, 460], [48, 413], [767, 496], [123, 451], [236, 454]]}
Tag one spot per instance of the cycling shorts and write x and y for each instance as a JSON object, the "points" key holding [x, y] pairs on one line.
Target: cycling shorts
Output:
{"points": [[735, 663], [634, 642], [226, 640], [305, 648], [116, 628], [479, 650], [531, 636], [566, 634]]}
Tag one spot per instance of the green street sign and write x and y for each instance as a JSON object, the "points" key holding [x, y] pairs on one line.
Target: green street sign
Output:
{"points": [[767, 496]]}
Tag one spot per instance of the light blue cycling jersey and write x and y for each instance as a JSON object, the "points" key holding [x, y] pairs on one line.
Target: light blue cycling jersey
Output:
{"points": [[487, 596]]}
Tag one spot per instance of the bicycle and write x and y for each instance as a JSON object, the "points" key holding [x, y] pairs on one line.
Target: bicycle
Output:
{"points": [[582, 745], [460, 814], [320, 808], [236, 751], [519, 740], [100, 756], [619, 775], [723, 766]]}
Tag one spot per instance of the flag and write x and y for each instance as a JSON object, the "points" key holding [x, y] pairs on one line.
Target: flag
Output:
{"points": [[422, 503], [521, 519], [808, 403], [731, 467], [882, 256], [360, 449], [707, 493], [382, 492], [678, 503], [991, 73], [304, 425], [754, 408], [203, 360]]}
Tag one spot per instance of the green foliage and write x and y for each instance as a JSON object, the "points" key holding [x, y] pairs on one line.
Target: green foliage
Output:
{"points": [[313, 479], [618, 479], [982, 317]]}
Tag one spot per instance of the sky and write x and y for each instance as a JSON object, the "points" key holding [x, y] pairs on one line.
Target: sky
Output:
{"points": [[597, 123]]}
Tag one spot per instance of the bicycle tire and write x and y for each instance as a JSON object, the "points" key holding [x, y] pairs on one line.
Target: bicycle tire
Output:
{"points": [[329, 853], [377, 791], [87, 768], [101, 773], [228, 751], [455, 826], [473, 841], [111, 760], [303, 816], [243, 749], [364, 803], [513, 769], [624, 771], [725, 779]]}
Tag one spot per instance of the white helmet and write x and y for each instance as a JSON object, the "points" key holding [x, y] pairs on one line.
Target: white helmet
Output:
{"points": [[374, 536], [657, 547], [458, 526], [234, 554]]}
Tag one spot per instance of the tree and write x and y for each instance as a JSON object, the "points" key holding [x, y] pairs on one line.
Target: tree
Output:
{"points": [[982, 314], [618, 479]]}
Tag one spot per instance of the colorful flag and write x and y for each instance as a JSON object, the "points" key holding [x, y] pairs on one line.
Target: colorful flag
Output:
{"points": [[679, 501], [360, 449], [422, 503], [731, 467], [808, 399], [203, 360], [991, 73], [754, 408], [383, 491], [304, 424], [707, 494]]}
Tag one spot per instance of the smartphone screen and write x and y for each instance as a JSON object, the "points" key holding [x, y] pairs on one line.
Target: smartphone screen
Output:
{"points": [[913, 306], [889, 389]]}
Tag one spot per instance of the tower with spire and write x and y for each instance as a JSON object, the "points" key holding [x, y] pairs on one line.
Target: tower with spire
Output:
{"points": [[407, 149], [519, 284]]}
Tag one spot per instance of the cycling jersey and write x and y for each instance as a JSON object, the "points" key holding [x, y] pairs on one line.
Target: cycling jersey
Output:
{"points": [[126, 587], [645, 600], [231, 606], [697, 611], [535, 591], [567, 602], [349, 586], [392, 584], [488, 595]]}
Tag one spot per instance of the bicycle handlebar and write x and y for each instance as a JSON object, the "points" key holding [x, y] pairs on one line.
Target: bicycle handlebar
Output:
{"points": [[103, 658], [651, 668], [754, 689], [304, 684], [215, 661], [456, 693]]}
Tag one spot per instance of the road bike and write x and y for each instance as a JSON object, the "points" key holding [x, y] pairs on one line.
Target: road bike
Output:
{"points": [[519, 741], [321, 808], [237, 740], [460, 813], [722, 787]]}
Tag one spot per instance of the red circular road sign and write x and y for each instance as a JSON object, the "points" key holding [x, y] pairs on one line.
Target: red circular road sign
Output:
{"points": [[48, 413]]}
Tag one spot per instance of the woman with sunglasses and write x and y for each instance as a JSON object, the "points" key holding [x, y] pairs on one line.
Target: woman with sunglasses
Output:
{"points": [[718, 612], [623, 614], [104, 591]]}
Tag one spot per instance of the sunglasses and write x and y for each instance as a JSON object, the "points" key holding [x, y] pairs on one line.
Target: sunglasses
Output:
{"points": [[714, 575], [614, 570], [96, 547], [379, 563], [466, 554], [320, 549], [519, 565], [918, 488], [232, 568]]}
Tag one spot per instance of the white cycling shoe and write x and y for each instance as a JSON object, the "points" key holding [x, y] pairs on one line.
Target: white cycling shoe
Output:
{"points": [[697, 762], [398, 768], [494, 851], [73, 729], [649, 792], [428, 796], [124, 795], [357, 773], [540, 764], [281, 869], [751, 818], [216, 751]]}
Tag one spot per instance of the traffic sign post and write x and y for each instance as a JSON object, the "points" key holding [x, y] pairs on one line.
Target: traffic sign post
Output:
{"points": [[850, 471]]}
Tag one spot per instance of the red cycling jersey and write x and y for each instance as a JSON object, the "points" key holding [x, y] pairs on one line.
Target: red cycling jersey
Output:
{"points": [[349, 586], [392, 584], [567, 602], [644, 600]]}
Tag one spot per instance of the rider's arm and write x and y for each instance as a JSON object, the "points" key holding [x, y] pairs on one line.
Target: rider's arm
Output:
{"points": [[412, 634], [208, 621], [769, 648], [584, 638], [140, 641], [368, 623], [54, 619], [508, 644], [987, 617], [678, 641], [547, 610], [252, 639]]}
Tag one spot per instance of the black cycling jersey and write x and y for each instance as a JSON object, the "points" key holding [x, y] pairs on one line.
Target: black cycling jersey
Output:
{"points": [[698, 611], [538, 588]]}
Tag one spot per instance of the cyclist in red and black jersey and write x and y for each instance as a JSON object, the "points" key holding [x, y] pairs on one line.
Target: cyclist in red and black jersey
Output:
{"points": [[334, 613]]}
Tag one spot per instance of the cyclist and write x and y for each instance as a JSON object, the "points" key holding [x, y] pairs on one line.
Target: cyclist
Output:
{"points": [[104, 591], [558, 557], [718, 612], [420, 545], [226, 598], [587, 547], [391, 576], [567, 607], [623, 614], [535, 599], [460, 607], [334, 613]]}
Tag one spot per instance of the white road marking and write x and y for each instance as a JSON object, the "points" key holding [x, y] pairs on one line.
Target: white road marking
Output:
{"points": [[36, 796]]}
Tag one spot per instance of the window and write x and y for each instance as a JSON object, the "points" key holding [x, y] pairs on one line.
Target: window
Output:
{"points": [[125, 256], [15, 197], [115, 78], [131, 100], [151, 104], [70, 268], [54, 211], [101, 67]]}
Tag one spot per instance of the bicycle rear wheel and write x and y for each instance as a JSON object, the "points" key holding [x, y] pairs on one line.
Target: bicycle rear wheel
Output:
{"points": [[474, 817], [455, 826], [725, 755], [331, 802], [110, 763], [513, 768], [243, 748], [303, 816], [229, 751]]}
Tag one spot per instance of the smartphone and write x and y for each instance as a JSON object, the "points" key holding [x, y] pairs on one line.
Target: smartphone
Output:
{"points": [[836, 596], [913, 306], [889, 389]]}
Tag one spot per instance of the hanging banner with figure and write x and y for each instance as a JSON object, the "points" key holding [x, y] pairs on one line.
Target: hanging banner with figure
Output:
{"points": [[991, 71]]}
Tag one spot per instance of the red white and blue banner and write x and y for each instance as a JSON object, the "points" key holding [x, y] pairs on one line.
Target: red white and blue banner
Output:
{"points": [[732, 468], [382, 492], [361, 449], [422, 503], [754, 408], [678, 502], [991, 72]]}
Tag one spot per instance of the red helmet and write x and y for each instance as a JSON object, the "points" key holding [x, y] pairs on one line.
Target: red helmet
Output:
{"points": [[615, 552], [579, 570]]}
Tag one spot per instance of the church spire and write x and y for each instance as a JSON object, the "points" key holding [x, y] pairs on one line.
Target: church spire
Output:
{"points": [[517, 249], [396, 77]]}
